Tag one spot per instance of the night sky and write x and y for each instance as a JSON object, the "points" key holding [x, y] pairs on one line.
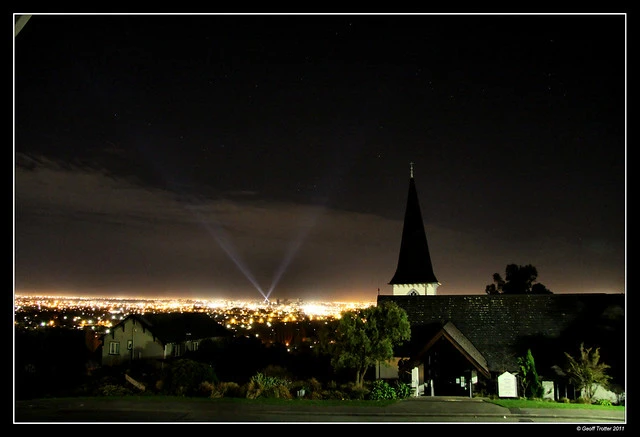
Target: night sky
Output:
{"points": [[240, 156]]}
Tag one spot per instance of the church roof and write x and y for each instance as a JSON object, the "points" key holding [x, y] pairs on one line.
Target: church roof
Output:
{"points": [[414, 260], [502, 327]]}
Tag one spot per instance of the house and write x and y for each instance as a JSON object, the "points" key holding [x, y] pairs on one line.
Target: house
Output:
{"points": [[158, 337], [460, 344]]}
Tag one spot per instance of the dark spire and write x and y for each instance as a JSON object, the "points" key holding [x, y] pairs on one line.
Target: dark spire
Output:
{"points": [[414, 261]]}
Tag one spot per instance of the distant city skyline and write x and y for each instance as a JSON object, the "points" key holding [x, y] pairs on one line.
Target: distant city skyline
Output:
{"points": [[106, 312], [256, 156]]}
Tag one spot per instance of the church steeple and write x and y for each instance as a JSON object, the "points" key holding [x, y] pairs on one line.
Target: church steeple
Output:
{"points": [[414, 273]]}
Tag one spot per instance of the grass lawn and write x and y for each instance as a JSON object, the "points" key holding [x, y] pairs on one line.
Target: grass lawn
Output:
{"points": [[523, 403]]}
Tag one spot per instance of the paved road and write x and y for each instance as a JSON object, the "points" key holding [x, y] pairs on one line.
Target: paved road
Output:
{"points": [[413, 410]]}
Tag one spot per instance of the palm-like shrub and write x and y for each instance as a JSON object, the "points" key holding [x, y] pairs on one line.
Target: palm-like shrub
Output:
{"points": [[265, 386]]}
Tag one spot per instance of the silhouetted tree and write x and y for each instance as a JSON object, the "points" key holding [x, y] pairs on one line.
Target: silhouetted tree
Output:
{"points": [[518, 280]]}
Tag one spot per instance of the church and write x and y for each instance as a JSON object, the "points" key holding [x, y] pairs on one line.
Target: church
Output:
{"points": [[460, 344]]}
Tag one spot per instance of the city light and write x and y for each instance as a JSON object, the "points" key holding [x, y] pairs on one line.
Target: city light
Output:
{"points": [[99, 314]]}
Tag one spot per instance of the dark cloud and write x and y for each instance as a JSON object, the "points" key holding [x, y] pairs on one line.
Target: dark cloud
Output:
{"points": [[81, 231]]}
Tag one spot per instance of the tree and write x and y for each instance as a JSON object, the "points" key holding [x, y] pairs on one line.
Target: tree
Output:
{"points": [[363, 337], [518, 280], [531, 384], [587, 372]]}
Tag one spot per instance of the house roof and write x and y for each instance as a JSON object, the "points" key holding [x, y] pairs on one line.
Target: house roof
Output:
{"points": [[178, 327], [414, 261], [499, 327]]}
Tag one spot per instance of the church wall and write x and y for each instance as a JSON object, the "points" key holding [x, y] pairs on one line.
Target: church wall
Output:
{"points": [[415, 289], [501, 327]]}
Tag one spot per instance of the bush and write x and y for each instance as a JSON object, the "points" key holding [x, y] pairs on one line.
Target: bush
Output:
{"points": [[235, 390], [381, 390], [281, 391], [604, 402], [316, 395], [205, 389], [334, 394], [352, 391], [313, 385], [402, 389], [358, 393], [228, 389], [185, 377]]}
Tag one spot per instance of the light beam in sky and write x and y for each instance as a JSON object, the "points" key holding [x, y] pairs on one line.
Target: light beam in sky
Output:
{"points": [[223, 240], [290, 254]]}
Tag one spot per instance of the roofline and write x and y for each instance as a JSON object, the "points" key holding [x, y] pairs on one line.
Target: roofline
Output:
{"points": [[443, 333]]}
